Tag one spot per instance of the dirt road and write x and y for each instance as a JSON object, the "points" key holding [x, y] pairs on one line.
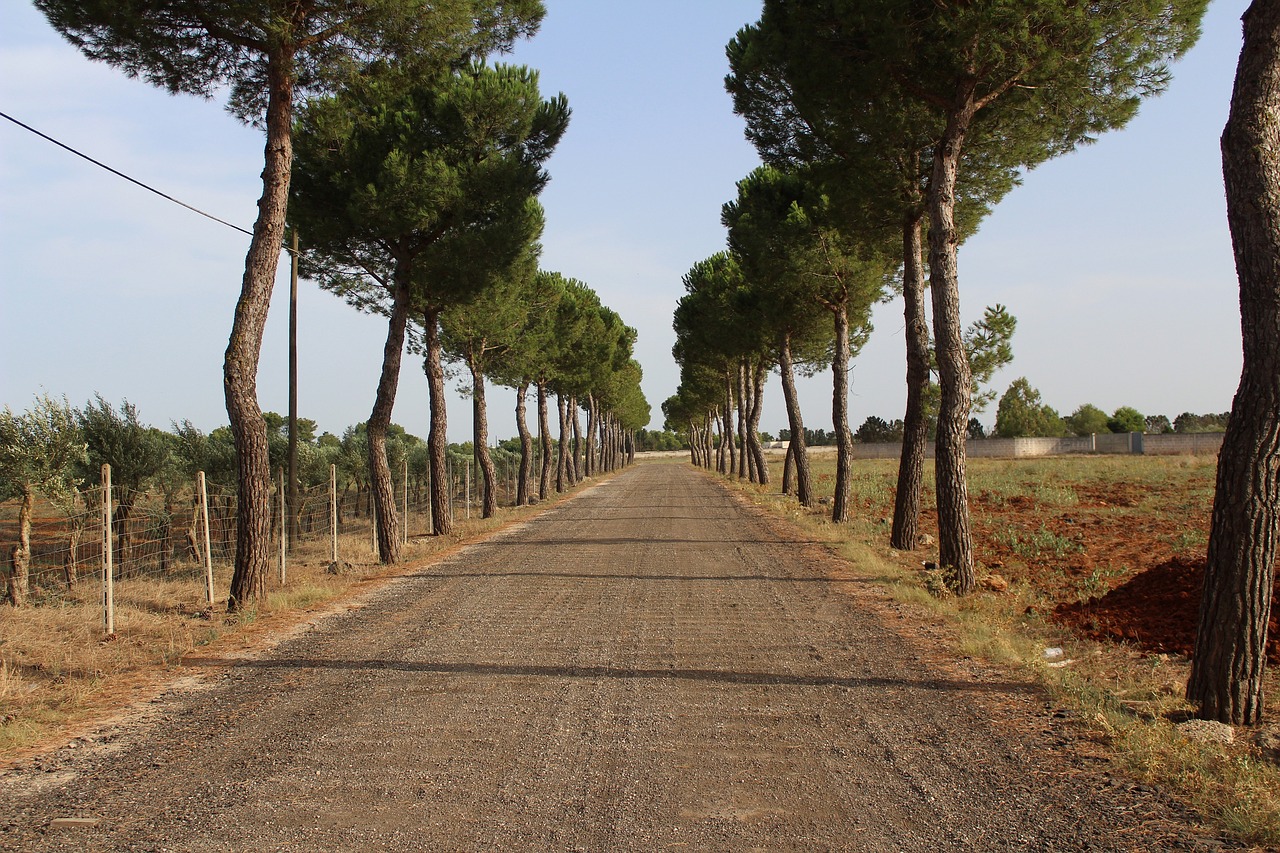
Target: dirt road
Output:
{"points": [[651, 666]]}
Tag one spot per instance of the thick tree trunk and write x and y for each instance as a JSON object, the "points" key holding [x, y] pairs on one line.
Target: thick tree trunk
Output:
{"points": [[955, 538], [789, 471], [544, 441], [20, 579], [526, 445], [744, 457], [593, 415], [759, 374], [386, 517], [840, 416], [915, 429], [562, 445], [722, 451], [437, 440], [240, 366], [480, 440], [795, 423], [577, 440], [120, 521], [1230, 655], [728, 432]]}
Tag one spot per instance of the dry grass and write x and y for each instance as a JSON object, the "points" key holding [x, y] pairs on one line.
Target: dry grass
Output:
{"points": [[1126, 699], [59, 671]]}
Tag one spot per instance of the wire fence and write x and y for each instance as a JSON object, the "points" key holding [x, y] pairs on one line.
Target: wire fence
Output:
{"points": [[161, 533]]}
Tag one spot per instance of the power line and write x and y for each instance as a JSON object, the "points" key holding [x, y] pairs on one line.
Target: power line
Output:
{"points": [[118, 173]]}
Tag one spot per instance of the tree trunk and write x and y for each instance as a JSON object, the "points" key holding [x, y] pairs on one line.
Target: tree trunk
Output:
{"points": [[526, 446], [740, 393], [120, 521], [20, 579], [577, 440], [1230, 655], [759, 374], [795, 423], [240, 366], [593, 415], [721, 450], [544, 440], [437, 440], [788, 471], [955, 539], [562, 457], [915, 430], [480, 440], [386, 517], [840, 416], [728, 432]]}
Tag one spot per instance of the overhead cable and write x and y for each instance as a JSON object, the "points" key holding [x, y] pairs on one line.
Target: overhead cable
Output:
{"points": [[117, 172]]}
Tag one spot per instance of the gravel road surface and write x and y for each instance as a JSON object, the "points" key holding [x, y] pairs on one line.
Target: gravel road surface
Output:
{"points": [[650, 666]]}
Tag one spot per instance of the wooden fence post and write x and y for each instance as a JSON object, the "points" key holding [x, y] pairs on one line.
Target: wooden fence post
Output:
{"points": [[284, 526], [333, 511], [208, 546], [406, 500], [108, 569]]}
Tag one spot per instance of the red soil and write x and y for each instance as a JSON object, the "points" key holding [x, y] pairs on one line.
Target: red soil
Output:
{"points": [[1156, 610]]}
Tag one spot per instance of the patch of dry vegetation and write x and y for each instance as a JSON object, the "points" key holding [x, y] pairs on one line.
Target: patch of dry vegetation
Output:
{"points": [[1127, 700]]}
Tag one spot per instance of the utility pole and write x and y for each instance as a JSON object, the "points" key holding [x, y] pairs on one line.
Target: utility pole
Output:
{"points": [[293, 392]]}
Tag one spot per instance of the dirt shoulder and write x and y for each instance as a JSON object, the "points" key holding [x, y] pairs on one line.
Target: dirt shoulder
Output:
{"points": [[649, 665]]}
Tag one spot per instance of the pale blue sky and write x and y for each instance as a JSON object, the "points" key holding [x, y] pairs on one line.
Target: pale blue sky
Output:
{"points": [[1116, 259]]}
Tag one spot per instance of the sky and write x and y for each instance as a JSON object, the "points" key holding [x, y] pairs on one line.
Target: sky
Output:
{"points": [[1115, 259]]}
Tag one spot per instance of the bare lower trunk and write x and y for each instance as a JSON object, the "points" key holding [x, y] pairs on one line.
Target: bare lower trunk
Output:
{"points": [[562, 458], [955, 538], [526, 446], [20, 579], [437, 441], [759, 373], [1230, 655], [788, 471], [240, 366], [120, 522], [544, 440], [480, 440], [727, 433], [745, 463], [840, 417], [915, 430], [795, 423], [386, 517], [593, 415], [577, 439]]}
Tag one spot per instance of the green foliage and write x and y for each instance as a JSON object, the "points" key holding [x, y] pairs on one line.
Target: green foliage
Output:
{"points": [[135, 452], [200, 48], [1188, 422], [408, 181], [1127, 419], [40, 451], [988, 343], [1087, 419], [1020, 413], [876, 429], [659, 440], [1158, 425]]}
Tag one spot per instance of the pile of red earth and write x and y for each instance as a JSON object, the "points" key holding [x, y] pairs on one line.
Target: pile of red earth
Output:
{"points": [[1156, 611]]}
